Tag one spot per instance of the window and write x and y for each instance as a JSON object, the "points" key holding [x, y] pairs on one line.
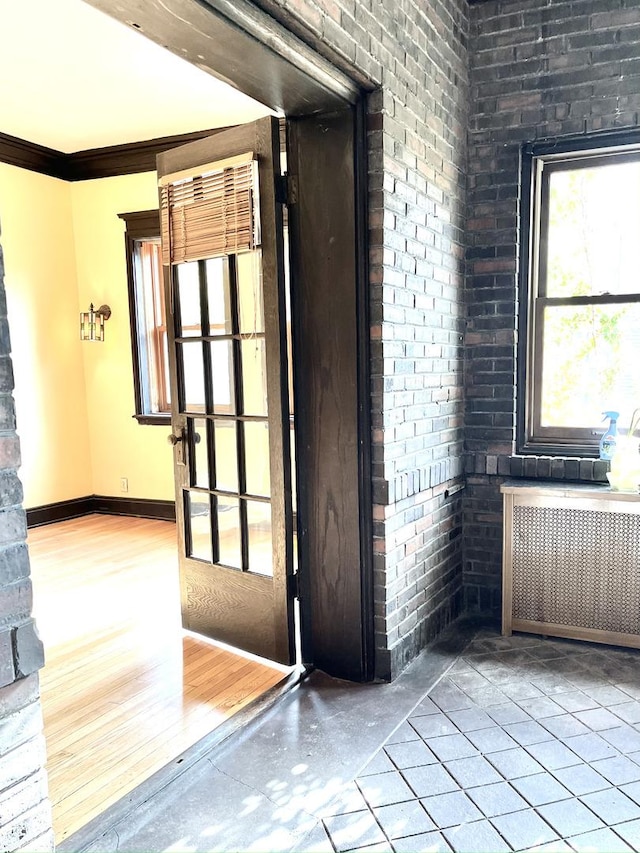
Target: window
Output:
{"points": [[580, 295], [147, 314]]}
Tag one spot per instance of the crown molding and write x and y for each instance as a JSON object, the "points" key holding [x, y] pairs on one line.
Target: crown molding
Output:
{"points": [[127, 159], [28, 155]]}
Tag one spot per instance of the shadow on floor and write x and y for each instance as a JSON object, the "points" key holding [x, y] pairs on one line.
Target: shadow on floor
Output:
{"points": [[484, 743]]}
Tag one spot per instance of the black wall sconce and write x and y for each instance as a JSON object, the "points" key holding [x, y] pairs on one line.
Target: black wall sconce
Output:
{"points": [[92, 323]]}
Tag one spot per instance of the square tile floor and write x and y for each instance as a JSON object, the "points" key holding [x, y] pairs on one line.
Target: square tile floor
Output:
{"points": [[524, 744]]}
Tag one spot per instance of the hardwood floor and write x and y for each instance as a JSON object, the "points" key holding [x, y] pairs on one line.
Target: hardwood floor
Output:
{"points": [[124, 689]]}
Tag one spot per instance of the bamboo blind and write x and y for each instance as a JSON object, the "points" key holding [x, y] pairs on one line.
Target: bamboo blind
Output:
{"points": [[210, 213]]}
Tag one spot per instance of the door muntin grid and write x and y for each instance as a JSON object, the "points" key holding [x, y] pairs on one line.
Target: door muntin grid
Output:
{"points": [[221, 369]]}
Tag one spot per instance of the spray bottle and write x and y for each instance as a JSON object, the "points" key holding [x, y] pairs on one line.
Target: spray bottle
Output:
{"points": [[625, 465], [609, 439]]}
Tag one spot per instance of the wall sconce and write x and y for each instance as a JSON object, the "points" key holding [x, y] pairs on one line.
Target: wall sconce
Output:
{"points": [[92, 323]]}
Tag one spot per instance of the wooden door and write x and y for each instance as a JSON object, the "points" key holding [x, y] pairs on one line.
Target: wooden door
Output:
{"points": [[227, 343]]}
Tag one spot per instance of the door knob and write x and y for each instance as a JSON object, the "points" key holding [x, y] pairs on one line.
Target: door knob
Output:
{"points": [[174, 439]]}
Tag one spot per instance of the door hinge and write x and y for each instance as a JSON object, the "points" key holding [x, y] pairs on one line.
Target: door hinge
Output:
{"points": [[287, 189], [293, 585]]}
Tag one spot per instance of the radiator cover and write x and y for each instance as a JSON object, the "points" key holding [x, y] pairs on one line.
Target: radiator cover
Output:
{"points": [[571, 564]]}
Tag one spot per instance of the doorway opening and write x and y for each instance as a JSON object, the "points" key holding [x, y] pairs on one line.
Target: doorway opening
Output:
{"points": [[331, 321], [125, 690]]}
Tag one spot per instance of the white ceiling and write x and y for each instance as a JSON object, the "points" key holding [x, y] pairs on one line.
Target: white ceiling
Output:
{"points": [[73, 78]]}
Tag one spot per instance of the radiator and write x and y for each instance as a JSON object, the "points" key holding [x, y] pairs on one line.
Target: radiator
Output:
{"points": [[571, 562]]}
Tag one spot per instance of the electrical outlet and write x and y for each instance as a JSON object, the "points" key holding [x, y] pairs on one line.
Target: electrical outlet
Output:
{"points": [[124, 484]]}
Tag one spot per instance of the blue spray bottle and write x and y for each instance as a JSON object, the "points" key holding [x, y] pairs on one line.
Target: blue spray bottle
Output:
{"points": [[608, 440]]}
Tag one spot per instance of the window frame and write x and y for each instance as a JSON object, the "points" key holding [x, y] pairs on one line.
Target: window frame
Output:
{"points": [[537, 162], [140, 225]]}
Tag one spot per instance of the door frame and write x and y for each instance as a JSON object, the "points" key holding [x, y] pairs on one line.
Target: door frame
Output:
{"points": [[239, 43]]}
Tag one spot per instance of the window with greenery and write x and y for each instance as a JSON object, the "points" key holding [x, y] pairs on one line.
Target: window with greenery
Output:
{"points": [[580, 296], [147, 315]]}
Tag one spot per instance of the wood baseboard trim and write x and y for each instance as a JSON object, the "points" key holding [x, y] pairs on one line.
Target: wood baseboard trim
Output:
{"points": [[60, 511], [137, 507], [103, 504]]}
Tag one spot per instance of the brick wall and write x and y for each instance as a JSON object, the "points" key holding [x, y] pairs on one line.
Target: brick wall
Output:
{"points": [[538, 70], [448, 82], [413, 56], [416, 54], [25, 813]]}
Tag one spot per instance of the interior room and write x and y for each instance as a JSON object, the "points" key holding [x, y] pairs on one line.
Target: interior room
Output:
{"points": [[459, 334], [106, 593]]}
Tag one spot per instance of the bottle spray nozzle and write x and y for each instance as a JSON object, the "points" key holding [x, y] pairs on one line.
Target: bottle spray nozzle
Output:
{"points": [[608, 440]]}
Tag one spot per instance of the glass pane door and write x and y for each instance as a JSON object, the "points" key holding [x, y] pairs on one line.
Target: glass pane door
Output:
{"points": [[230, 415], [220, 347]]}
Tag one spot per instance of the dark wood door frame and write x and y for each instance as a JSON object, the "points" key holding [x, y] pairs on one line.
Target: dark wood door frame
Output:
{"points": [[327, 137], [331, 333], [241, 44]]}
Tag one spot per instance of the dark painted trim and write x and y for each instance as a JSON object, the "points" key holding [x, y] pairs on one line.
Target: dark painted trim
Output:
{"points": [[272, 24], [364, 388], [28, 155], [60, 511], [104, 505], [127, 159], [328, 389], [522, 401], [598, 140], [154, 420], [241, 44], [136, 507], [142, 224]]}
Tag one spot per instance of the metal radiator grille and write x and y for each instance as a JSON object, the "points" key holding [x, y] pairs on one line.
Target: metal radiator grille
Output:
{"points": [[577, 567]]}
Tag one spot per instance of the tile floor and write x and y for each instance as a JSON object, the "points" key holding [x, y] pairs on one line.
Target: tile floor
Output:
{"points": [[525, 744]]}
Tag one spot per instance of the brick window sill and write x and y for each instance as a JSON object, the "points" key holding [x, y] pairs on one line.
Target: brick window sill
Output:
{"points": [[574, 469]]}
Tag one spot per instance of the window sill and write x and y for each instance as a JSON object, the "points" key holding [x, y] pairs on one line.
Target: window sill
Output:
{"points": [[157, 418], [573, 469], [559, 450]]}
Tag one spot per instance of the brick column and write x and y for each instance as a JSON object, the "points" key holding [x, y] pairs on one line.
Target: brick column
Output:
{"points": [[25, 811]]}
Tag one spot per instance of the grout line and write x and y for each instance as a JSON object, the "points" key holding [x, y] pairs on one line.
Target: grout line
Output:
{"points": [[553, 739]]}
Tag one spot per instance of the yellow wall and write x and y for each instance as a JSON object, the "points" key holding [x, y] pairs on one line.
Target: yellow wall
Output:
{"points": [[42, 299], [120, 446], [64, 248]]}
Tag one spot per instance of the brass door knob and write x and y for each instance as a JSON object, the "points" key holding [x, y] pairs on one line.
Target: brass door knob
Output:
{"points": [[174, 439]]}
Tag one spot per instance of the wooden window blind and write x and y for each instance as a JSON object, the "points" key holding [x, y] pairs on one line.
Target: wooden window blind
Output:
{"points": [[210, 213]]}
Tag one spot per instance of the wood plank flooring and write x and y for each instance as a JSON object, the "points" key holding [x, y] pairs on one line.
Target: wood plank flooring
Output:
{"points": [[124, 690]]}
